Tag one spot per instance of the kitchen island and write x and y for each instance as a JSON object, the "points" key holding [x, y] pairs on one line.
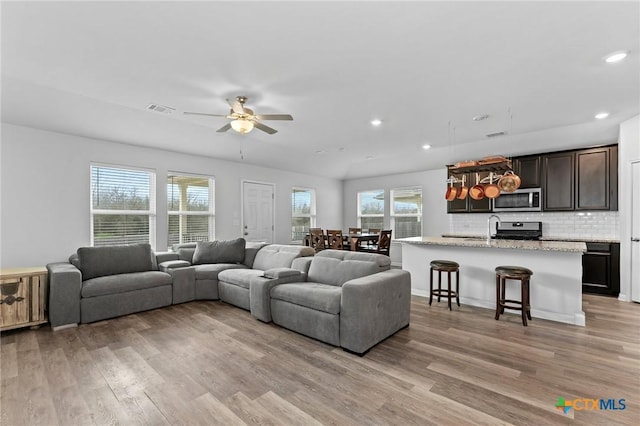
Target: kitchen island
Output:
{"points": [[556, 284]]}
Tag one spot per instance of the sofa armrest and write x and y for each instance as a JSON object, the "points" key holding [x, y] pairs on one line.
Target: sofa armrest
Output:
{"points": [[183, 284], [374, 307], [65, 285], [165, 256], [169, 265], [302, 263], [260, 291], [282, 273]]}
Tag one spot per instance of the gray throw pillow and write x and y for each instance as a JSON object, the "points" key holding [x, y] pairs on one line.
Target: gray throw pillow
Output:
{"points": [[112, 260], [231, 251]]}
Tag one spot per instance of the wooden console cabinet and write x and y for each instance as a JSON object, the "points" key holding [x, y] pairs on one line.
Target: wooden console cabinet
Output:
{"points": [[23, 296]]}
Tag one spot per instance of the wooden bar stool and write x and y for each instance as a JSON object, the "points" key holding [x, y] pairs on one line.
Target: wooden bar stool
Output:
{"points": [[504, 273], [447, 266]]}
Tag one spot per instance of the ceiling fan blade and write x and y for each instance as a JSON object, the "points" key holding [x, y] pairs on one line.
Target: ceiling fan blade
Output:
{"points": [[202, 113], [224, 128], [236, 106], [264, 128], [274, 117]]}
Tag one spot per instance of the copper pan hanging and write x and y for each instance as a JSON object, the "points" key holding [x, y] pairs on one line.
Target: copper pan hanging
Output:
{"points": [[464, 189]]}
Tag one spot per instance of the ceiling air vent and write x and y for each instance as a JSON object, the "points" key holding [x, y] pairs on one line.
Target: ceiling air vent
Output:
{"points": [[494, 134], [161, 108]]}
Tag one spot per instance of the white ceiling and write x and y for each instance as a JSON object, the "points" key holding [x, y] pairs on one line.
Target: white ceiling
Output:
{"points": [[424, 68]]}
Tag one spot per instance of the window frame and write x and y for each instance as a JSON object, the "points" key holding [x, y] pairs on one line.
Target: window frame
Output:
{"points": [[211, 213], [395, 215], [312, 210], [151, 212], [359, 214]]}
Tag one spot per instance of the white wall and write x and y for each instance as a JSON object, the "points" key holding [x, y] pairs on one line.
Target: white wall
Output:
{"points": [[628, 151], [45, 192]]}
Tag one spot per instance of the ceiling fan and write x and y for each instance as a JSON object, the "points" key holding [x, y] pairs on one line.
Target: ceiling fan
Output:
{"points": [[243, 118]]}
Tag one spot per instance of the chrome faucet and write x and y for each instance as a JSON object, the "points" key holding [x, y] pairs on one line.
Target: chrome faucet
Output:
{"points": [[489, 227]]}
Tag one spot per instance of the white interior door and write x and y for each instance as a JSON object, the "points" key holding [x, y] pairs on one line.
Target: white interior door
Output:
{"points": [[257, 211], [635, 232]]}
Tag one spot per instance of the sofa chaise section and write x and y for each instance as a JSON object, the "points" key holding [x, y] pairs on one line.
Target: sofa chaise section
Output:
{"points": [[348, 299]]}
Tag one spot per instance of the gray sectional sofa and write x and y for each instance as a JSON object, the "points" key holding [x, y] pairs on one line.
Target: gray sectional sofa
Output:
{"points": [[346, 299], [227, 277]]}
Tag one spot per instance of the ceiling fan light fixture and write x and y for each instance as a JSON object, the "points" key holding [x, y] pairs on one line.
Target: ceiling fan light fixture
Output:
{"points": [[242, 126], [614, 57]]}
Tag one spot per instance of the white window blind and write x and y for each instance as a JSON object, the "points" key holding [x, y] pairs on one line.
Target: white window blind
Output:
{"points": [[191, 208], [406, 212], [371, 209], [303, 212], [122, 205]]}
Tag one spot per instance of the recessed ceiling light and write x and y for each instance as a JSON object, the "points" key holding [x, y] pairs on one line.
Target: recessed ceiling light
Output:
{"points": [[369, 157], [426, 146], [376, 122], [320, 151], [602, 115], [615, 56], [480, 117]]}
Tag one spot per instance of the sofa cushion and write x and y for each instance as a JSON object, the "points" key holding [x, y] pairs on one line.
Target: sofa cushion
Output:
{"points": [[210, 272], [112, 260], [219, 251], [384, 262], [321, 297], [336, 272], [279, 256], [250, 251], [122, 283], [239, 277]]}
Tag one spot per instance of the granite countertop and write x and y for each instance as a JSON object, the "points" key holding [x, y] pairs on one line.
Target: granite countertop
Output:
{"points": [[578, 240], [481, 242]]}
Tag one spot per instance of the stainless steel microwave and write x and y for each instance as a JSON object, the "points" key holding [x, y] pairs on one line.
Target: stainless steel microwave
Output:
{"points": [[521, 200]]}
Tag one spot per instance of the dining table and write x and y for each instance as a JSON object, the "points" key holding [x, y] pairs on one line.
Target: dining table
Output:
{"points": [[352, 240]]}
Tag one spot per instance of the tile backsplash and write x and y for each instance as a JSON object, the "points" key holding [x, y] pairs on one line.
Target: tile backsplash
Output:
{"points": [[565, 225]]}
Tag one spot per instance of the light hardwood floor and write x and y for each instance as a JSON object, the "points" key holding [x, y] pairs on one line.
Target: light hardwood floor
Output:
{"points": [[211, 363]]}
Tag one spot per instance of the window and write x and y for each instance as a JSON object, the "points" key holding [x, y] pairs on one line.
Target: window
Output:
{"points": [[371, 209], [406, 212], [190, 206], [123, 207], [303, 212]]}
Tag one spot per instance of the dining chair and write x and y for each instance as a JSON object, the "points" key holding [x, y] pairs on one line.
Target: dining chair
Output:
{"points": [[383, 245], [335, 239], [355, 230], [373, 231], [316, 238]]}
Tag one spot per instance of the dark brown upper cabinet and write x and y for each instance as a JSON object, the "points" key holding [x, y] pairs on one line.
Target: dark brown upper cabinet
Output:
{"points": [[468, 204], [558, 181], [592, 179], [478, 206], [529, 170], [596, 179]]}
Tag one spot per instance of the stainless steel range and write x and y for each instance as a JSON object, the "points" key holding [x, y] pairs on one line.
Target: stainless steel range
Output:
{"points": [[519, 230]]}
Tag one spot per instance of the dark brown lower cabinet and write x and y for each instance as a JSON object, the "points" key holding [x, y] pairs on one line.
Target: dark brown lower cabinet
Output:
{"points": [[601, 269]]}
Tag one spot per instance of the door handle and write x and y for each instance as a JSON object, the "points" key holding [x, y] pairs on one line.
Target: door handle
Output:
{"points": [[635, 240], [246, 233]]}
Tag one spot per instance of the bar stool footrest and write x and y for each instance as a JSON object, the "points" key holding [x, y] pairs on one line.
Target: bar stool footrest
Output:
{"points": [[444, 293]]}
